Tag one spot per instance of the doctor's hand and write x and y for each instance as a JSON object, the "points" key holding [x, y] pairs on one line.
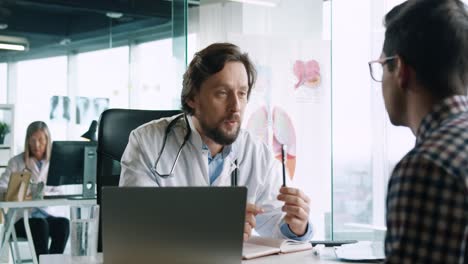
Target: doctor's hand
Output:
{"points": [[296, 207], [250, 212]]}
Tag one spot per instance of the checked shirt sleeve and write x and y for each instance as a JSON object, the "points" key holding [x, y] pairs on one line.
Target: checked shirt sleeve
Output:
{"points": [[426, 213]]}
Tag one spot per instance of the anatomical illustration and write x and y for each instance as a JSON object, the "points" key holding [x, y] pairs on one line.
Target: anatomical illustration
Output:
{"points": [[307, 73], [269, 121], [262, 121]]}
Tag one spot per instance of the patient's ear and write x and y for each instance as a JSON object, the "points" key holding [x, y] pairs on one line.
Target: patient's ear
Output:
{"points": [[404, 72]]}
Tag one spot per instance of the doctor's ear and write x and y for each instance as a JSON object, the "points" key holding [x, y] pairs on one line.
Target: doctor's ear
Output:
{"points": [[192, 102]]}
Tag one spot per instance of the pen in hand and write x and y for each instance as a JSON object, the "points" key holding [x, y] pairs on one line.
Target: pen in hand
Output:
{"points": [[283, 161]]}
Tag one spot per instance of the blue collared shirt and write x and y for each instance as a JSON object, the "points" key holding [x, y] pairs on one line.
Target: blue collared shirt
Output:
{"points": [[285, 230], [39, 164], [216, 163]]}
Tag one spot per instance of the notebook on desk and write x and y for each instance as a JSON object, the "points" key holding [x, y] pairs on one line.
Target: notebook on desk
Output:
{"points": [[173, 224]]}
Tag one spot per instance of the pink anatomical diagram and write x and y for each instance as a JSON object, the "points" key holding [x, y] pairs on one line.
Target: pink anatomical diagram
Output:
{"points": [[307, 73], [283, 133]]}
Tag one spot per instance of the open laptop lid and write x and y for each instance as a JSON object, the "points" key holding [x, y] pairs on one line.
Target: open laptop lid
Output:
{"points": [[173, 224]]}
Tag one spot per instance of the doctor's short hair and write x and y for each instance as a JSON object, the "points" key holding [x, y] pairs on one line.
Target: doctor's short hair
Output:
{"points": [[33, 128], [432, 37], [208, 62]]}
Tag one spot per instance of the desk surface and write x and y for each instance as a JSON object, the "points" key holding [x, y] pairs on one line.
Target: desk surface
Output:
{"points": [[47, 202], [10, 217], [299, 258]]}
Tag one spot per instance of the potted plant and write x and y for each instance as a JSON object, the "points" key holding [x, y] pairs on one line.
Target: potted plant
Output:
{"points": [[4, 130]]}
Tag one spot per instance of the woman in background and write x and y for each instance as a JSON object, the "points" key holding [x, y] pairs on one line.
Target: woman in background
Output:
{"points": [[35, 159]]}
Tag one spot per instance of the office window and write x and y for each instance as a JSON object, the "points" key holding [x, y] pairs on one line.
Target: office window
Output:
{"points": [[366, 146], [3, 83], [191, 46], [70, 72], [154, 83], [101, 83], [290, 103], [37, 82]]}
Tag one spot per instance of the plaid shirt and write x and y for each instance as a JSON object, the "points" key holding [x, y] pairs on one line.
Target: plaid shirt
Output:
{"points": [[427, 201]]}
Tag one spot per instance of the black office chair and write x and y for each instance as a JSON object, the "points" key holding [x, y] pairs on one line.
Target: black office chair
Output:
{"points": [[115, 126]]}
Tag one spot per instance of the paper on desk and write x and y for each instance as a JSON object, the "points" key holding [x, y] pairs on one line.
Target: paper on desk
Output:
{"points": [[361, 251]]}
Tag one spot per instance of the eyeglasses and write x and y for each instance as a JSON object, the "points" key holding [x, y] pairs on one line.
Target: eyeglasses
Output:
{"points": [[376, 67]]}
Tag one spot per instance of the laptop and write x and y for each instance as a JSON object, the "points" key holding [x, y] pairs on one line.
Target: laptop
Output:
{"points": [[173, 225]]}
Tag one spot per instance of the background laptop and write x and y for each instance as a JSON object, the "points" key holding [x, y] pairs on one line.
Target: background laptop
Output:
{"points": [[173, 224]]}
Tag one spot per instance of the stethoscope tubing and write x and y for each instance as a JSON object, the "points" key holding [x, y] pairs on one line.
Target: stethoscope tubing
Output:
{"points": [[234, 173]]}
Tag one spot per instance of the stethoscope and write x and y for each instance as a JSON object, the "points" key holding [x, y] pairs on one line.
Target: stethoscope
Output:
{"points": [[188, 133]]}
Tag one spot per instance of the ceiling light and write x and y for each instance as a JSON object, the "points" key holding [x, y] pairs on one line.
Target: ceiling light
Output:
{"points": [[13, 43], [12, 47], [3, 26], [65, 41], [114, 14], [270, 3]]}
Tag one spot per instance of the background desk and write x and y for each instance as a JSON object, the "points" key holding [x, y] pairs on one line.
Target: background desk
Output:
{"points": [[16, 208], [296, 258]]}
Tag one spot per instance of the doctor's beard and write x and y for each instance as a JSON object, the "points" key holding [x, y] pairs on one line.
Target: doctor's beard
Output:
{"points": [[218, 135]]}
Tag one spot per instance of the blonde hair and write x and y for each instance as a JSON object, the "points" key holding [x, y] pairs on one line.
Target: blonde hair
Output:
{"points": [[33, 128]]}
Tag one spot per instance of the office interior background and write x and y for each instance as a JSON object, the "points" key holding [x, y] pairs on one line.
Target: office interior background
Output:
{"points": [[313, 94]]}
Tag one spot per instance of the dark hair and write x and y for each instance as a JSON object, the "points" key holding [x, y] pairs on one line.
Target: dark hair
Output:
{"points": [[432, 37], [208, 62]]}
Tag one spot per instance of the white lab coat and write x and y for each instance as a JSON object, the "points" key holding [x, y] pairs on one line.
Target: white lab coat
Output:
{"points": [[258, 169], [17, 164]]}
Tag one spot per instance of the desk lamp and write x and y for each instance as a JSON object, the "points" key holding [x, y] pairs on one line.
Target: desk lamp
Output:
{"points": [[91, 133]]}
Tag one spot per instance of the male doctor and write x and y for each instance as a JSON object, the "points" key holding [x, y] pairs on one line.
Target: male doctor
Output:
{"points": [[216, 89]]}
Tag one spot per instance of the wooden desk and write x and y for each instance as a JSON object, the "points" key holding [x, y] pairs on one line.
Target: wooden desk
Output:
{"points": [[297, 258], [10, 210]]}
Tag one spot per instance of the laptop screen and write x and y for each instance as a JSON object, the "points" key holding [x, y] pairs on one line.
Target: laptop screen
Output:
{"points": [[173, 224]]}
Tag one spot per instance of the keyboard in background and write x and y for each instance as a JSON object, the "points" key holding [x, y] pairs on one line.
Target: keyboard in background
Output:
{"points": [[63, 196]]}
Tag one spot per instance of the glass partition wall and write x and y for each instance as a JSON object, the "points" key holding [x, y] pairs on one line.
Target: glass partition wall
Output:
{"points": [[289, 43], [314, 95]]}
